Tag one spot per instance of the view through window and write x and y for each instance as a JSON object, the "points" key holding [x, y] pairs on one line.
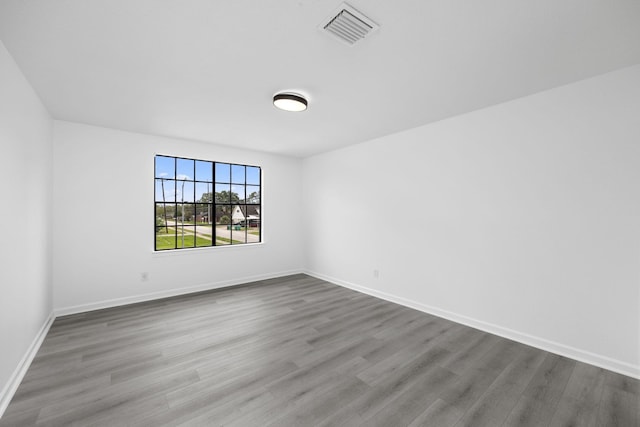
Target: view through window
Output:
{"points": [[200, 203]]}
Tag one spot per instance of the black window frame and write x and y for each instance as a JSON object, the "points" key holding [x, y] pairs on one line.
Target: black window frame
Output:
{"points": [[173, 214]]}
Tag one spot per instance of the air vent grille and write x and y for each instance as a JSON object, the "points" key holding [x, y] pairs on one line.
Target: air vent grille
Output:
{"points": [[349, 25]]}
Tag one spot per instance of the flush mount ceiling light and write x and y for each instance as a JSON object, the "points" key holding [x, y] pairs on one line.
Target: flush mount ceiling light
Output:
{"points": [[290, 101]]}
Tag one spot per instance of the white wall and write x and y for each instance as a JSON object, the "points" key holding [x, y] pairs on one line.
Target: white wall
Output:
{"points": [[25, 218], [103, 220], [521, 219]]}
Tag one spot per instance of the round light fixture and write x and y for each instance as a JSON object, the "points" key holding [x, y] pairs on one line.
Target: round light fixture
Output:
{"points": [[290, 102]]}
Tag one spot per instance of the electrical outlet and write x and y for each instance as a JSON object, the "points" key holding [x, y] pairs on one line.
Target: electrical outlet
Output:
{"points": [[144, 276], [376, 274]]}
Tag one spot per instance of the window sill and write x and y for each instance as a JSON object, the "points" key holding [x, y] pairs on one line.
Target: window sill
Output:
{"points": [[187, 251]]}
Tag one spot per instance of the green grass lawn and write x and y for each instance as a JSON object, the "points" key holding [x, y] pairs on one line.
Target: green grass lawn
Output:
{"points": [[224, 240], [167, 240]]}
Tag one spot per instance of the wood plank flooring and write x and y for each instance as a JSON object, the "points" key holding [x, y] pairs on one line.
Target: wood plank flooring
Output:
{"points": [[298, 351]]}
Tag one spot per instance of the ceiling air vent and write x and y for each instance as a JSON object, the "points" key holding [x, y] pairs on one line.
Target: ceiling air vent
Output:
{"points": [[348, 25]]}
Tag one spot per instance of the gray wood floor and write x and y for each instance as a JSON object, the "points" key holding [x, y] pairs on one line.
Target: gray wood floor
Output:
{"points": [[298, 351]]}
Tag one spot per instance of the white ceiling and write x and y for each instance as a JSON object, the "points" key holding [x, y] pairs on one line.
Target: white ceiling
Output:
{"points": [[207, 69]]}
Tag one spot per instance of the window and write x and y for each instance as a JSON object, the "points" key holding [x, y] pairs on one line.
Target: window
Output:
{"points": [[199, 203]]}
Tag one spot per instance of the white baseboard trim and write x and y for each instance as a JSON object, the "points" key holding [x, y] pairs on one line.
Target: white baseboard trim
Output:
{"points": [[541, 343], [16, 378], [116, 302]]}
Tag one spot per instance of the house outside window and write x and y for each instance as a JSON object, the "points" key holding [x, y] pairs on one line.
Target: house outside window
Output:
{"points": [[202, 203]]}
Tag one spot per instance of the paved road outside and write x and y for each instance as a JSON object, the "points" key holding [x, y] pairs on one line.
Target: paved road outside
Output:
{"points": [[204, 232]]}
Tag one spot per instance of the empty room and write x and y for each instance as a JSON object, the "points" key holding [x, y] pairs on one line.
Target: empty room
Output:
{"points": [[318, 213]]}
